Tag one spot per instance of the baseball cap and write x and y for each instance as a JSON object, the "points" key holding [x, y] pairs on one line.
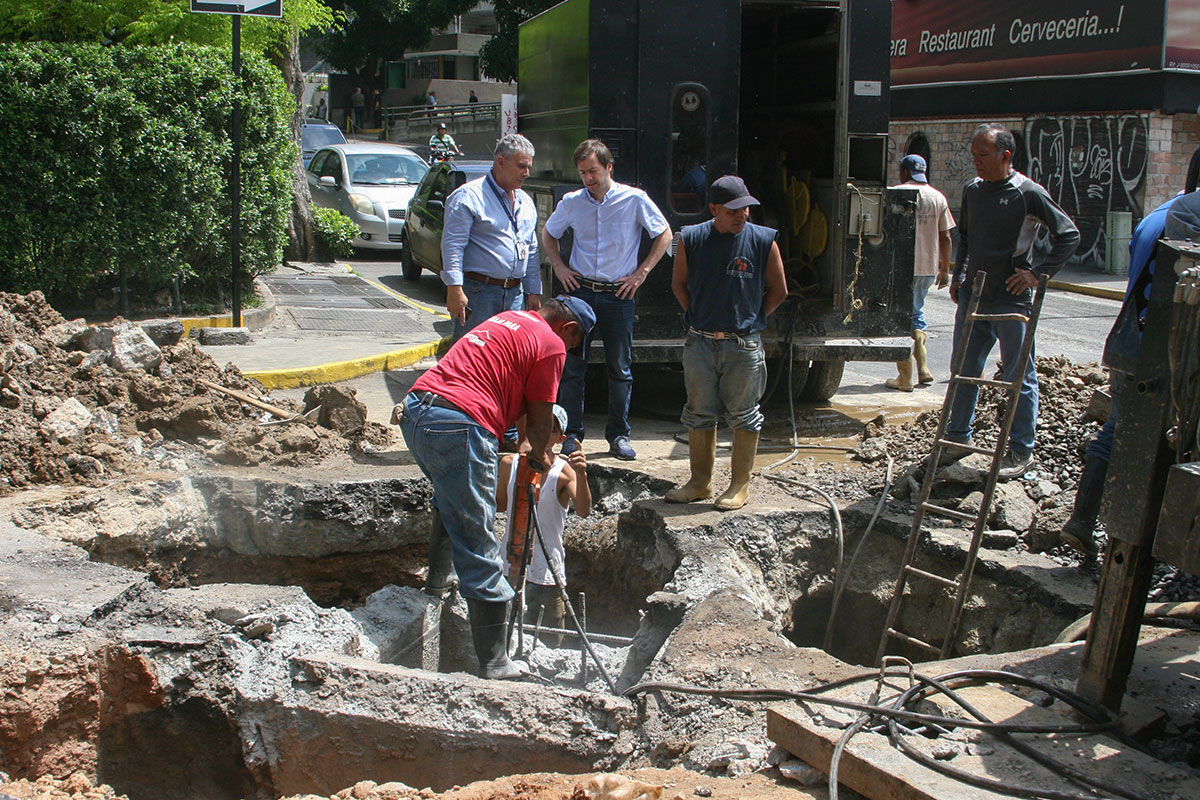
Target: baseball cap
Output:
{"points": [[560, 416], [730, 191], [915, 166], [586, 319]]}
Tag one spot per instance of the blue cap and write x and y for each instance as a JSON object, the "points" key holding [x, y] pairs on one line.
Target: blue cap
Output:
{"points": [[915, 166], [586, 319]]}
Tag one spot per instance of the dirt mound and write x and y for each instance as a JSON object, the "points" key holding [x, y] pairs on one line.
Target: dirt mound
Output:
{"points": [[78, 403]]}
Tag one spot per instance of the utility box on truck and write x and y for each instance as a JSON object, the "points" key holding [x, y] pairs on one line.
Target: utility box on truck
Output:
{"points": [[792, 95]]}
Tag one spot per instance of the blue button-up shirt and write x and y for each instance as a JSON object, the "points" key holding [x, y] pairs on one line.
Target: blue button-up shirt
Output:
{"points": [[608, 232], [478, 235]]}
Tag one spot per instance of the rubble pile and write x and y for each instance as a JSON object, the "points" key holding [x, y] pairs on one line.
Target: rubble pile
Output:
{"points": [[75, 787], [80, 402]]}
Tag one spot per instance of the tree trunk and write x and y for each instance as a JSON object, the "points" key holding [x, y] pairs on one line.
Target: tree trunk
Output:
{"points": [[300, 244]]}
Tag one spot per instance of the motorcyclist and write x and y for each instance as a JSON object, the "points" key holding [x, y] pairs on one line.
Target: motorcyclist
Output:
{"points": [[442, 145]]}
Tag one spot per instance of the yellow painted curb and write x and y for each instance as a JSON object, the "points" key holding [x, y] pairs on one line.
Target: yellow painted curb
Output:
{"points": [[345, 370], [194, 323], [1083, 288], [407, 300]]}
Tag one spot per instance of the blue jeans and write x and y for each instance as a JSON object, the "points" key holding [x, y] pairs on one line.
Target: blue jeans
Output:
{"points": [[614, 324], [985, 334], [921, 286], [485, 302], [460, 458], [1101, 446], [723, 376]]}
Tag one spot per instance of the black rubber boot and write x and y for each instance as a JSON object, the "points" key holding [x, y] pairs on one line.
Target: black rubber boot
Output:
{"points": [[441, 578], [489, 631], [1079, 532]]}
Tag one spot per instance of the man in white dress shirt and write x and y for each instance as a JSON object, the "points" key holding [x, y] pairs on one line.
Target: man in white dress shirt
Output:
{"points": [[606, 219]]}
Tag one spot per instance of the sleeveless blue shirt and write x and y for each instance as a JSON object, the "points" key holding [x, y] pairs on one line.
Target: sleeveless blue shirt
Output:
{"points": [[726, 277]]}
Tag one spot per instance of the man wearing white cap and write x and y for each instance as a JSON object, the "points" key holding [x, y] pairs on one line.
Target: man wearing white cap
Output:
{"points": [[728, 277], [931, 261]]}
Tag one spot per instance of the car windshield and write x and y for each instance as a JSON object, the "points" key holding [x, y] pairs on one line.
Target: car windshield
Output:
{"points": [[316, 136], [385, 169]]}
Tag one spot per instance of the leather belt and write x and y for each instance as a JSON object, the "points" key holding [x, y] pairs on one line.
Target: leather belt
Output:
{"points": [[488, 280], [432, 399], [718, 334], [597, 286]]}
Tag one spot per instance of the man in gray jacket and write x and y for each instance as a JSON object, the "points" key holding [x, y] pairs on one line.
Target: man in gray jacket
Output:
{"points": [[1001, 213]]}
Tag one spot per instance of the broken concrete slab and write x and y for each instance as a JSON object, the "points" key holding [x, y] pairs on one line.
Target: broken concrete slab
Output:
{"points": [[133, 350], [224, 336], [66, 423]]}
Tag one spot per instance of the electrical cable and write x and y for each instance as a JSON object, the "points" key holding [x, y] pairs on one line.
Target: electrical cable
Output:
{"points": [[926, 686]]}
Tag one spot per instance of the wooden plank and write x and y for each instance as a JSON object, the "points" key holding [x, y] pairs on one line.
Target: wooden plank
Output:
{"points": [[875, 769]]}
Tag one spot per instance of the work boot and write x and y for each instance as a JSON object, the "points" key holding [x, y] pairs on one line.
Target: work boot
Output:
{"points": [[741, 464], [440, 578], [904, 383], [489, 632], [921, 356], [1079, 532], [702, 451]]}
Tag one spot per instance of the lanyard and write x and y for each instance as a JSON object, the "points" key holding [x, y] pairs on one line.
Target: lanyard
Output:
{"points": [[503, 202]]}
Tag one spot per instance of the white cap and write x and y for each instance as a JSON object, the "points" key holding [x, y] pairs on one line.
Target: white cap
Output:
{"points": [[560, 416]]}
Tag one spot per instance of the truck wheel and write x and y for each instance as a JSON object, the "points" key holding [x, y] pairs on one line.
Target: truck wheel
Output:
{"points": [[408, 265], [824, 378], [799, 375]]}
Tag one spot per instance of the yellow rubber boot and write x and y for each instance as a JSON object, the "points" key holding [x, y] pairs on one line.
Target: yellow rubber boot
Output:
{"points": [[904, 383], [741, 464], [921, 356], [702, 450]]}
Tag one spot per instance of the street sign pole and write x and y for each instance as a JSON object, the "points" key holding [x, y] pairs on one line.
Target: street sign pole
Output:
{"points": [[235, 10], [235, 174]]}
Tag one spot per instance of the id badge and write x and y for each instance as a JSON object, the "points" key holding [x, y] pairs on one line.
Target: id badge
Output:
{"points": [[522, 251]]}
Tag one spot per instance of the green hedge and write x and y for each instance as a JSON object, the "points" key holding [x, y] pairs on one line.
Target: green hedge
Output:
{"points": [[117, 158]]}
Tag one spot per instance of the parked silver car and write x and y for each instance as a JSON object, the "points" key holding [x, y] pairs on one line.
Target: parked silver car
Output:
{"points": [[371, 184]]}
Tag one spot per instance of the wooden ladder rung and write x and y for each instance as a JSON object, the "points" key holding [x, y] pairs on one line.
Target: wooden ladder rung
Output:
{"points": [[948, 582], [999, 317], [904, 637], [949, 512], [974, 448], [981, 381]]}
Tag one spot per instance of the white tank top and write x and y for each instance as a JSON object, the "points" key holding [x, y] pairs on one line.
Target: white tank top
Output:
{"points": [[551, 518]]}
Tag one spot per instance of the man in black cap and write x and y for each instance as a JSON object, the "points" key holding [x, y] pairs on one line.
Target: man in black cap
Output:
{"points": [[931, 261], [728, 277]]}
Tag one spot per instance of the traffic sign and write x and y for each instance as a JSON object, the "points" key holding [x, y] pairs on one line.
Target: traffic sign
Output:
{"points": [[258, 8]]}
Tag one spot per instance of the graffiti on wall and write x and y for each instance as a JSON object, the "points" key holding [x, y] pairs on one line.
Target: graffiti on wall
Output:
{"points": [[1090, 166]]}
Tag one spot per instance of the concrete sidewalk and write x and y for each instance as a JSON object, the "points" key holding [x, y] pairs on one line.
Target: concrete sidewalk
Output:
{"points": [[328, 325]]}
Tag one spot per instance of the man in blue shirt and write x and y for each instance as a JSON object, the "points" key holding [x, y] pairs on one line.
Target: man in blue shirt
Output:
{"points": [[1080, 530], [489, 241], [728, 277], [607, 220]]}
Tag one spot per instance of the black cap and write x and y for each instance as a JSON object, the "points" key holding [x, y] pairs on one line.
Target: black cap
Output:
{"points": [[730, 191]]}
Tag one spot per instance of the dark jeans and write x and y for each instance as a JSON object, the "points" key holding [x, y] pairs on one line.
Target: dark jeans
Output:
{"points": [[614, 324]]}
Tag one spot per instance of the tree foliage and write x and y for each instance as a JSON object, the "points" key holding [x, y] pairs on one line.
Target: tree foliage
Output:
{"points": [[377, 31], [144, 22], [124, 156], [498, 56]]}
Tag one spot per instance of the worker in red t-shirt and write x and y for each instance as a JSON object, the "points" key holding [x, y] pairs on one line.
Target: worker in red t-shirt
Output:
{"points": [[453, 419]]}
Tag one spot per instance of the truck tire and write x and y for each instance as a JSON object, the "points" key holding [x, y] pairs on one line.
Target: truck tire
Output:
{"points": [[409, 267], [824, 378], [799, 376]]}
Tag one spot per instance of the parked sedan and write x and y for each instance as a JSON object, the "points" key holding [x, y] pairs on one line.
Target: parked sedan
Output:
{"points": [[423, 227], [371, 184]]}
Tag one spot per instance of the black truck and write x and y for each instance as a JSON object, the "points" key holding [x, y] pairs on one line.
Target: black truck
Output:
{"points": [[790, 94]]}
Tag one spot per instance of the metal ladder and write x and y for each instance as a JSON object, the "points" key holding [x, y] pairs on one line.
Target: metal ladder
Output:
{"points": [[960, 584]]}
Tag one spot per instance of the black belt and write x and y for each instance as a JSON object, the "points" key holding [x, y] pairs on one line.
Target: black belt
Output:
{"points": [[488, 280], [598, 286], [719, 334]]}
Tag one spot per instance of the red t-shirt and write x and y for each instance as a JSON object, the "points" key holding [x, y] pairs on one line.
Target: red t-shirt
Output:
{"points": [[497, 366]]}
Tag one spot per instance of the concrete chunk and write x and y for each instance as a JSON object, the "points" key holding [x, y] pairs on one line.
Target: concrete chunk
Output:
{"points": [[68, 422], [222, 336], [163, 332], [133, 350]]}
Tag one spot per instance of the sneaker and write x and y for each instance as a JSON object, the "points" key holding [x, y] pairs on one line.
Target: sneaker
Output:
{"points": [[1014, 466], [569, 445], [622, 449]]}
